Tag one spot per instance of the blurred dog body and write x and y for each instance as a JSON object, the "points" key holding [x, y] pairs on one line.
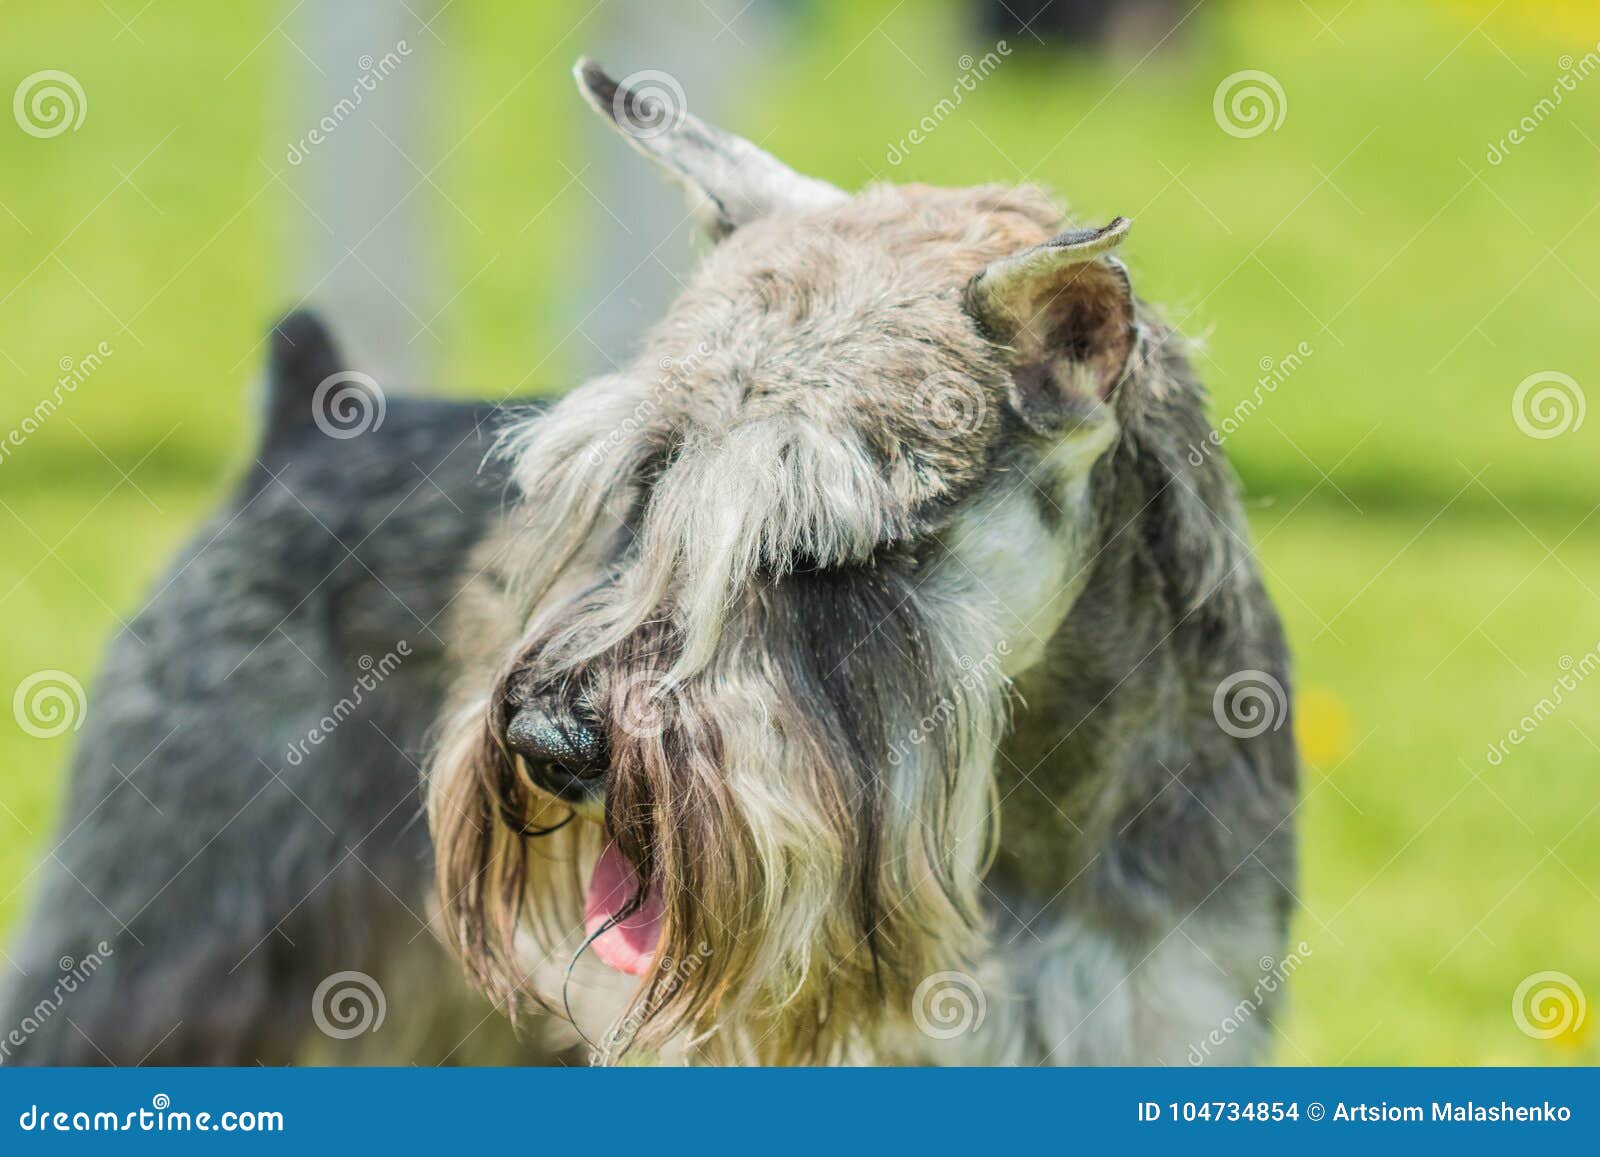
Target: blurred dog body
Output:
{"points": [[242, 822]]}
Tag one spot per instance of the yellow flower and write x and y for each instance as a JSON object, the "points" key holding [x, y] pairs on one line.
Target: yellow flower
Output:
{"points": [[1565, 20], [1573, 1039], [1322, 727]]}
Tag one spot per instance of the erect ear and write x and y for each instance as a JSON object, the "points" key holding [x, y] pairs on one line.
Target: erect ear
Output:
{"points": [[729, 182], [302, 354], [1065, 310]]}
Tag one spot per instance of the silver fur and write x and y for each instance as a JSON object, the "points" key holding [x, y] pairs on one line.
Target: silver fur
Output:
{"points": [[890, 532]]}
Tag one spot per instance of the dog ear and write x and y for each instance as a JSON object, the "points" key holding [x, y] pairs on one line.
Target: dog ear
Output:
{"points": [[1066, 311], [729, 182], [301, 355]]}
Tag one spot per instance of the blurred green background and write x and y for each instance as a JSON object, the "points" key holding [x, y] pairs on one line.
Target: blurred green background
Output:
{"points": [[1439, 568]]}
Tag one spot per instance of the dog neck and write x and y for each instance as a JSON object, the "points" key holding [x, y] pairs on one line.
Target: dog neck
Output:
{"points": [[1113, 777]]}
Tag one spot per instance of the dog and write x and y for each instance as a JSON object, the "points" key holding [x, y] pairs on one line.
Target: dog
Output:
{"points": [[871, 670], [887, 616], [241, 870]]}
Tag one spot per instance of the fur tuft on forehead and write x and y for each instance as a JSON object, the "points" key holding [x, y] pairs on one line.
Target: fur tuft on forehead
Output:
{"points": [[817, 393]]}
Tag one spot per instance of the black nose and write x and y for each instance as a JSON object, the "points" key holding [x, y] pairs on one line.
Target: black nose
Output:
{"points": [[566, 756]]}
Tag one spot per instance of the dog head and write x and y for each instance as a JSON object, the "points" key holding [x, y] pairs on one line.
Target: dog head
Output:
{"points": [[736, 691]]}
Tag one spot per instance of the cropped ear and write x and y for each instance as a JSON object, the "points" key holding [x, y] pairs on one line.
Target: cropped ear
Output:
{"points": [[302, 354], [729, 182], [1065, 310]]}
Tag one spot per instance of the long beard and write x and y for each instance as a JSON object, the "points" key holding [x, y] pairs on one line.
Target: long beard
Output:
{"points": [[813, 806]]}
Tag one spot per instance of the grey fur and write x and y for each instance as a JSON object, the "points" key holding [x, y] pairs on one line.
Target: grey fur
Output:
{"points": [[763, 519], [225, 876]]}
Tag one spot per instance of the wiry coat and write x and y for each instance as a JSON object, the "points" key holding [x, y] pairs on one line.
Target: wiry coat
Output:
{"points": [[880, 647]]}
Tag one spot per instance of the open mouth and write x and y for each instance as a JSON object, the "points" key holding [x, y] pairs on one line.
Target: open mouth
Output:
{"points": [[627, 944]]}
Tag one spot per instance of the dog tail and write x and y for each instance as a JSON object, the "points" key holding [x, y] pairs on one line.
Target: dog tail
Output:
{"points": [[301, 356]]}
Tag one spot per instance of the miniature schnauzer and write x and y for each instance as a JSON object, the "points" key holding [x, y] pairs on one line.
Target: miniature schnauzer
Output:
{"points": [[855, 676], [858, 658]]}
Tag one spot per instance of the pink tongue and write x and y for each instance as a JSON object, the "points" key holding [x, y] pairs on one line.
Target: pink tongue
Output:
{"points": [[629, 944]]}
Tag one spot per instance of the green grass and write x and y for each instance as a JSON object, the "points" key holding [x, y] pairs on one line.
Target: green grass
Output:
{"points": [[1434, 881], [1434, 564]]}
